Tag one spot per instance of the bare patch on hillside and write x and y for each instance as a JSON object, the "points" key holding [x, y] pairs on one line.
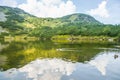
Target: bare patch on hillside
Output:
{"points": [[2, 17]]}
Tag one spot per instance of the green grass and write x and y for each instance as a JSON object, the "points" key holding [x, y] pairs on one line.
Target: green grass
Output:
{"points": [[69, 38]]}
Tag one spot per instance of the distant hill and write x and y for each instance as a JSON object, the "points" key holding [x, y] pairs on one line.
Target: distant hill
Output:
{"points": [[80, 18], [15, 18], [14, 21]]}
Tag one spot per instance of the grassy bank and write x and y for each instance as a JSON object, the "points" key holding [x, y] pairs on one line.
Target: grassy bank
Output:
{"points": [[21, 38], [63, 38], [71, 38]]}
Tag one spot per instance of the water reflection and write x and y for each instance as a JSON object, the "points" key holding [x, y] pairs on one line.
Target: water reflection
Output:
{"points": [[46, 69], [58, 69], [2, 46], [3, 58], [44, 60], [101, 61], [23, 53]]}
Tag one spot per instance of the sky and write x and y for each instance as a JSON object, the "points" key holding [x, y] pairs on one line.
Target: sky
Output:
{"points": [[105, 11]]}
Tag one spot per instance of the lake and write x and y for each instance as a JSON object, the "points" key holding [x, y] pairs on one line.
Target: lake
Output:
{"points": [[47, 60]]}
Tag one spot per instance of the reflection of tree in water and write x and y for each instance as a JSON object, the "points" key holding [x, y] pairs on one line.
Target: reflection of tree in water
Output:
{"points": [[3, 58], [2, 46], [19, 54]]}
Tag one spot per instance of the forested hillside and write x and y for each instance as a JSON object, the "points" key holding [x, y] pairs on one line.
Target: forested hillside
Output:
{"points": [[14, 21]]}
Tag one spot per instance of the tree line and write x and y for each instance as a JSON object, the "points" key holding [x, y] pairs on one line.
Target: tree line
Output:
{"points": [[83, 30]]}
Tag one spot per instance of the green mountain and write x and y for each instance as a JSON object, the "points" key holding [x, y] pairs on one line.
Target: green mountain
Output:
{"points": [[14, 21], [14, 17], [19, 19], [80, 18]]}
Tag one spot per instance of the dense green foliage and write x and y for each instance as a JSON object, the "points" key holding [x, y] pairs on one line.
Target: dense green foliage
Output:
{"points": [[44, 32], [83, 30], [90, 30], [21, 23]]}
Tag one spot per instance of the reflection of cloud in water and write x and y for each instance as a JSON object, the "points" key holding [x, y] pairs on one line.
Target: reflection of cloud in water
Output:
{"points": [[100, 64], [10, 73], [44, 69], [101, 61]]}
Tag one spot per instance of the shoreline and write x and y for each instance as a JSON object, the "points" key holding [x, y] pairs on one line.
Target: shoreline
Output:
{"points": [[64, 38]]}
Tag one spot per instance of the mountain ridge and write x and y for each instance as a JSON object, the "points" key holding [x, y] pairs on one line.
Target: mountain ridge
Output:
{"points": [[21, 18], [19, 22]]}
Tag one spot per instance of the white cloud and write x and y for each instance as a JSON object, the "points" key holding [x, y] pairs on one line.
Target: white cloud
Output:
{"points": [[100, 11], [11, 3], [48, 8]]}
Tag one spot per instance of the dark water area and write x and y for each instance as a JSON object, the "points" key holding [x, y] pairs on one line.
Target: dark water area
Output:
{"points": [[47, 60]]}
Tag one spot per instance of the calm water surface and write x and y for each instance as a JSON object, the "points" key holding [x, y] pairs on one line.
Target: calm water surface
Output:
{"points": [[45, 60]]}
